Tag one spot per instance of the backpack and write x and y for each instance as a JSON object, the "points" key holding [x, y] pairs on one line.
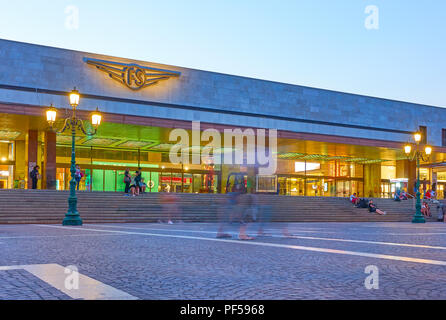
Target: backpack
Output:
{"points": [[363, 203], [127, 179]]}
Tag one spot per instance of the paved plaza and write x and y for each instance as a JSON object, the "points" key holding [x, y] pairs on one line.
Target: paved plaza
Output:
{"points": [[187, 261]]}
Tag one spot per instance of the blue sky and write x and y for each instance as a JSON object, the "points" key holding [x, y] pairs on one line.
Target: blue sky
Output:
{"points": [[317, 43]]}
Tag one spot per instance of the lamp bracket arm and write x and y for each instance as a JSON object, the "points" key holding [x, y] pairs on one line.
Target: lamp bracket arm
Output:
{"points": [[80, 125], [425, 159], [66, 125], [412, 157]]}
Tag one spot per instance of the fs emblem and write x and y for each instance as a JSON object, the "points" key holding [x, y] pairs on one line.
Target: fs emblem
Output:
{"points": [[132, 75]]}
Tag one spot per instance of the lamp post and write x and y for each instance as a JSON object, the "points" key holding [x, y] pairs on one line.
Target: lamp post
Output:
{"points": [[417, 155], [72, 216]]}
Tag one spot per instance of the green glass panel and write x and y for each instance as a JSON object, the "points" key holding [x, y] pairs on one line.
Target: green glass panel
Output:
{"points": [[154, 182], [146, 176], [98, 180], [87, 179], [110, 180], [120, 184]]}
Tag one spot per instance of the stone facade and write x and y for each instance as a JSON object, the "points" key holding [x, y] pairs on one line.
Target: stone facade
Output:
{"points": [[220, 98]]}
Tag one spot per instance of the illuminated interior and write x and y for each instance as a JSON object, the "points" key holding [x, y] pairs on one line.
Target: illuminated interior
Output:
{"points": [[305, 168]]}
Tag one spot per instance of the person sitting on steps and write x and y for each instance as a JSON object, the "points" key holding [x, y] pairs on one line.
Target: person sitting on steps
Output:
{"points": [[354, 199], [425, 209], [373, 208], [403, 195]]}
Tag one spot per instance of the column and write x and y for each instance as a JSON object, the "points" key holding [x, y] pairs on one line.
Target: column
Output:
{"points": [[407, 169], [32, 154], [50, 160], [412, 176], [372, 180], [20, 172]]}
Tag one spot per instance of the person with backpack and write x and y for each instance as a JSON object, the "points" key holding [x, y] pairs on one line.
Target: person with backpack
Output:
{"points": [[78, 176], [35, 176], [127, 181]]}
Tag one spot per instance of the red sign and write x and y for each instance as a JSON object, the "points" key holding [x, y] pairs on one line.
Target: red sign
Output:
{"points": [[165, 179]]}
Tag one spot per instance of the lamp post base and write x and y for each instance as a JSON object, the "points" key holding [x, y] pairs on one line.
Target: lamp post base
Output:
{"points": [[418, 219], [72, 220]]}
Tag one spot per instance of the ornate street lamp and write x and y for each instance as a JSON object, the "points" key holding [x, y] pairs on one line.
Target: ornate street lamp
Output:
{"points": [[72, 217], [416, 154]]}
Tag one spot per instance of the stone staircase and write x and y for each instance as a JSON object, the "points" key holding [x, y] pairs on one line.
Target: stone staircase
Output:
{"points": [[49, 207]]}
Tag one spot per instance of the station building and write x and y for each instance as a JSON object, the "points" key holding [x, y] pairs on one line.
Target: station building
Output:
{"points": [[328, 143]]}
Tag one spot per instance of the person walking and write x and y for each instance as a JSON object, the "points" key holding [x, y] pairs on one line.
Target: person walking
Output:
{"points": [[35, 176]]}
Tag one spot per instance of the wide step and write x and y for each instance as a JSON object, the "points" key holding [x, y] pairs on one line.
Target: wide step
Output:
{"points": [[49, 206]]}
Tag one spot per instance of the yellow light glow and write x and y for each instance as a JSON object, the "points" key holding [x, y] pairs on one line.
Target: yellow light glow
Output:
{"points": [[428, 150], [3, 159], [186, 168], [417, 136], [96, 118], [308, 166], [407, 149], [51, 115], [74, 97]]}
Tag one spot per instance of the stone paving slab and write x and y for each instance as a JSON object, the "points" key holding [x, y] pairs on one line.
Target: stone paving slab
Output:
{"points": [[22, 285], [181, 262]]}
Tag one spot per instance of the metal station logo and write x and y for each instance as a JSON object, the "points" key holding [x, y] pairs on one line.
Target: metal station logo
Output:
{"points": [[132, 75]]}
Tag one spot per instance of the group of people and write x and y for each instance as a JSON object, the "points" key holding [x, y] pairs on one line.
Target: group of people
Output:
{"points": [[401, 195], [365, 203], [134, 184], [428, 199]]}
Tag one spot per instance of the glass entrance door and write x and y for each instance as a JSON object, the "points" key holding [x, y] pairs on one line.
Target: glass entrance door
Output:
{"points": [[386, 191], [296, 186], [441, 190], [343, 188]]}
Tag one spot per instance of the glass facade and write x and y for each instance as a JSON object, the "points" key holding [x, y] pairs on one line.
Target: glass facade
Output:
{"points": [[104, 169], [305, 175], [326, 179]]}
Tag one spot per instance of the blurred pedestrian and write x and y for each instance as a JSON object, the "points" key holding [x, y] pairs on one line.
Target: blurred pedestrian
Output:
{"points": [[170, 206]]}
